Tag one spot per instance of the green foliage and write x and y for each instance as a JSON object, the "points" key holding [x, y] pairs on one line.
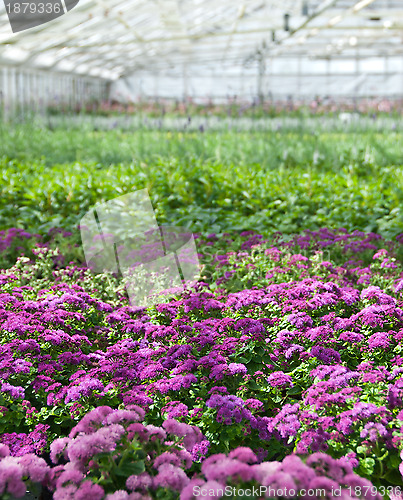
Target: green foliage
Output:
{"points": [[211, 181]]}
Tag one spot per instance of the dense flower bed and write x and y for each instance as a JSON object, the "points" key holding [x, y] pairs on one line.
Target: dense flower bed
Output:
{"points": [[282, 368]]}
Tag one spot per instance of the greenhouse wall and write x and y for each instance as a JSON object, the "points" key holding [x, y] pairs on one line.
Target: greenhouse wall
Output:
{"points": [[283, 78], [23, 90]]}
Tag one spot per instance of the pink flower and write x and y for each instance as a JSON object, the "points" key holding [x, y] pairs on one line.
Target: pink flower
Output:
{"points": [[11, 477], [84, 447], [188, 491], [139, 431], [90, 490], [243, 454], [170, 477], [33, 467], [57, 447], [211, 487], [81, 491], [141, 482], [166, 458], [118, 495], [191, 434], [69, 476], [91, 421], [228, 468], [380, 253], [135, 414]]}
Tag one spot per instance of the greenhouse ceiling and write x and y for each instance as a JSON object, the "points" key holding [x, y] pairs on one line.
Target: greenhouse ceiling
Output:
{"points": [[112, 38]]}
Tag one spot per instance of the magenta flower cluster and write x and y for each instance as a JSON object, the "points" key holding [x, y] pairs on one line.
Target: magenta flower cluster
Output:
{"points": [[289, 350]]}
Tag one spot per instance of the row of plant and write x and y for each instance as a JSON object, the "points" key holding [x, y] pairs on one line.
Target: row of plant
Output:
{"points": [[235, 107], [281, 368], [207, 181]]}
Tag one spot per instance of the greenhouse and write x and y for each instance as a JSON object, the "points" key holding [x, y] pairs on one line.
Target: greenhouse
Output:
{"points": [[201, 249], [128, 50]]}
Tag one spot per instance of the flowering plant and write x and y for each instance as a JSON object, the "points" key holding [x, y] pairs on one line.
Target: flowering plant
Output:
{"points": [[306, 360]]}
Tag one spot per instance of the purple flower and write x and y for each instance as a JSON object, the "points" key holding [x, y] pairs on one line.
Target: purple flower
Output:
{"points": [[16, 392], [175, 409], [251, 327], [200, 450], [300, 320], [326, 355], [83, 389], [379, 340], [373, 431], [279, 379], [235, 368]]}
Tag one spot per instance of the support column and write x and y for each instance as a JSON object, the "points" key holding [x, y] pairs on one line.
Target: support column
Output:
{"points": [[261, 60], [5, 95], [299, 75], [185, 82]]}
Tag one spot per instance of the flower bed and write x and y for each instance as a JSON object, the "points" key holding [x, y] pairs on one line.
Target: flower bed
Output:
{"points": [[282, 368]]}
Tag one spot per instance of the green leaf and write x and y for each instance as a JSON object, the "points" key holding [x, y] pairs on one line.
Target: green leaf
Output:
{"points": [[130, 468], [394, 477], [367, 466]]}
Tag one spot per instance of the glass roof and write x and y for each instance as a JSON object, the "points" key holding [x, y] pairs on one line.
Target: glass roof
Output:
{"points": [[112, 38]]}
